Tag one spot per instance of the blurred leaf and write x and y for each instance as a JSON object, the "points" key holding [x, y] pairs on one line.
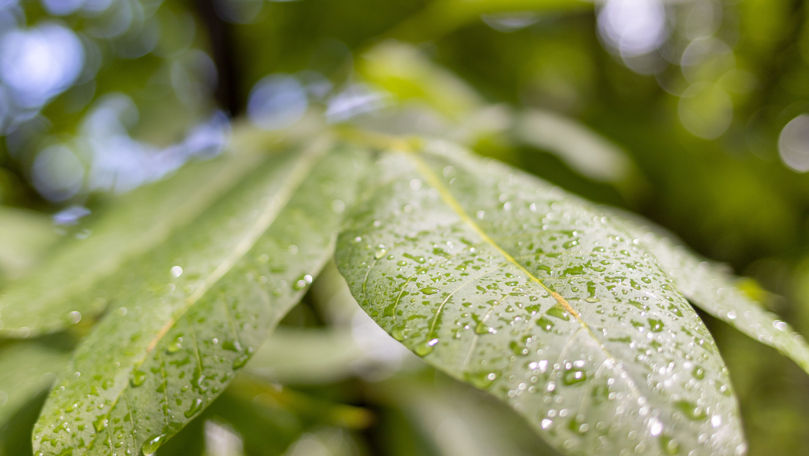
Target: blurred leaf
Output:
{"points": [[24, 237], [26, 369], [443, 16], [65, 287], [520, 289], [404, 72], [307, 356], [191, 314], [460, 420], [260, 392], [15, 434], [715, 290], [583, 150], [325, 442]]}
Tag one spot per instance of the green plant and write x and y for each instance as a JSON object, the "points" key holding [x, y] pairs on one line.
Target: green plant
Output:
{"points": [[574, 314], [376, 234]]}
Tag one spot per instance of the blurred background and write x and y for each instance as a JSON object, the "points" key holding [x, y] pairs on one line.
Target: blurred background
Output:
{"points": [[694, 114]]}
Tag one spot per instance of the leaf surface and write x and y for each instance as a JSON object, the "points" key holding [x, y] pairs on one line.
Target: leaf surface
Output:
{"points": [[520, 289], [715, 290], [189, 315], [64, 287]]}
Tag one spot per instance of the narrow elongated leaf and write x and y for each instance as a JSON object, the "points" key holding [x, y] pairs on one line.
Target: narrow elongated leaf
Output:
{"points": [[515, 286], [191, 314], [25, 371], [583, 150], [63, 288], [711, 287]]}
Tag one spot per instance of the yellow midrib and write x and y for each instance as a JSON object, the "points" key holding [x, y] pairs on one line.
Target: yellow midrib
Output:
{"points": [[296, 176], [452, 202]]}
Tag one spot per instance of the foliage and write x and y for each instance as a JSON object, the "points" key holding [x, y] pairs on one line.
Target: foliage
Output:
{"points": [[469, 176]]}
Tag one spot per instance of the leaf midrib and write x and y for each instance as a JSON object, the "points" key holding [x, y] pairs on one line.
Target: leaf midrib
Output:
{"points": [[450, 200], [297, 175]]}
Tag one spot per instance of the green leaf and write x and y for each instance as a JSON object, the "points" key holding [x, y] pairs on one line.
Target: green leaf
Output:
{"points": [[24, 237], [582, 149], [26, 369], [716, 291], [458, 419], [308, 356], [64, 288], [528, 292], [189, 315], [443, 16]]}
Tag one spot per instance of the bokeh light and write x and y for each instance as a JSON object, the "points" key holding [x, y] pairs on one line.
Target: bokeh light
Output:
{"points": [[39, 63], [277, 102], [793, 143]]}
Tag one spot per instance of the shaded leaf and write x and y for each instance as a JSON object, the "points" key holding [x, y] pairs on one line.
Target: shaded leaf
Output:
{"points": [[715, 290], [190, 314], [26, 369], [520, 289], [458, 419], [307, 356]]}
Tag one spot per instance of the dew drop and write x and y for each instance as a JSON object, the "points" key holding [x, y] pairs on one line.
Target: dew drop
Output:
{"points": [[669, 445], [302, 282], [570, 244], [692, 411], [151, 445], [240, 360], [176, 271], [101, 423], [481, 380], [194, 409], [429, 290], [518, 348], [655, 427], [559, 312], [175, 345], [655, 325], [574, 376], [426, 347], [578, 426], [232, 345], [138, 377], [545, 324]]}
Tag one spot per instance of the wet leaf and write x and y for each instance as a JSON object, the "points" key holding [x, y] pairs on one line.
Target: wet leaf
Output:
{"points": [[191, 314], [715, 290], [538, 297], [64, 288]]}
